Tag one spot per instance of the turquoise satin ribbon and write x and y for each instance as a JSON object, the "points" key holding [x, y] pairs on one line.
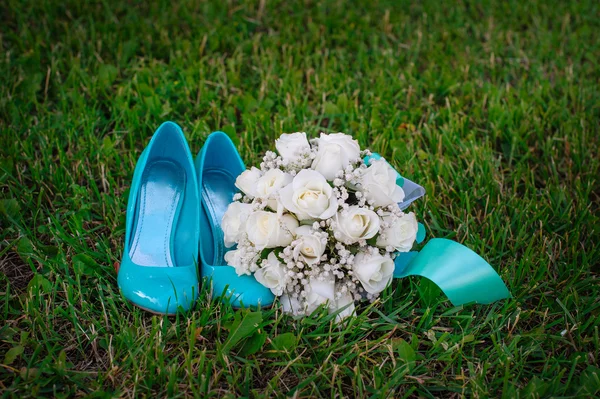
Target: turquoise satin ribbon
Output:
{"points": [[460, 273]]}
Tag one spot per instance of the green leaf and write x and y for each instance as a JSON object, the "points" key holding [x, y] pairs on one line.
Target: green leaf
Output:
{"points": [[535, 389], [25, 248], [264, 254], [7, 333], [23, 338], [10, 208], [406, 353], [331, 109], [107, 74], [342, 102], [245, 324], [61, 362], [12, 354], [285, 342], [49, 250], [468, 338], [39, 283], [83, 264], [254, 343], [375, 122], [589, 382], [267, 104], [249, 103], [29, 374], [107, 144], [372, 241], [33, 84], [8, 164], [144, 90]]}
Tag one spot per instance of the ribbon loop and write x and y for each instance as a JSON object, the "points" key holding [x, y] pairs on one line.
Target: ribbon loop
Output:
{"points": [[460, 273]]}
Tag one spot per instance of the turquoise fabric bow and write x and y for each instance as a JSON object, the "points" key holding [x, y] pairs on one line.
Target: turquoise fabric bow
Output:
{"points": [[460, 273]]}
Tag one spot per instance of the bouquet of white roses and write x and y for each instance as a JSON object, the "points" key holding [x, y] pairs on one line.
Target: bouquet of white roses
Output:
{"points": [[319, 223]]}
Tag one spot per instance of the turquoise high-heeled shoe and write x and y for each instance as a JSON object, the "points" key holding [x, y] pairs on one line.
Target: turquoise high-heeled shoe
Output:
{"points": [[159, 269], [218, 165]]}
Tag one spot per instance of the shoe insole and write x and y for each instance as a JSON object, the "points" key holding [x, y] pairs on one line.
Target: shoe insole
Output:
{"points": [[218, 188], [158, 205]]}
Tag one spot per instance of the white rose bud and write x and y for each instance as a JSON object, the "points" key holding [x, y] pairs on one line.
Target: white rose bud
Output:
{"points": [[233, 259], [268, 230], [320, 292], [401, 234], [271, 182], [247, 181], [234, 222], [374, 271], [356, 223], [343, 301], [291, 305], [273, 275], [310, 248], [379, 184], [309, 196], [290, 146], [336, 151]]}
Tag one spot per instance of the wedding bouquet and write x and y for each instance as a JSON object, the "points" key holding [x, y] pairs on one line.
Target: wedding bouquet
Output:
{"points": [[318, 223]]}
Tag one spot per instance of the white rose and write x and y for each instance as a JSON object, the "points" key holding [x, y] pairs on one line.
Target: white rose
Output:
{"points": [[320, 293], [355, 223], [273, 275], [336, 151], [309, 247], [234, 221], [328, 161], [401, 234], [268, 230], [309, 196], [247, 181], [373, 271], [290, 146], [379, 184], [234, 259], [291, 305], [271, 182], [343, 301]]}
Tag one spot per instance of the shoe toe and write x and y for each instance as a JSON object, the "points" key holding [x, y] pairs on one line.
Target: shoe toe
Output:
{"points": [[161, 290], [243, 291]]}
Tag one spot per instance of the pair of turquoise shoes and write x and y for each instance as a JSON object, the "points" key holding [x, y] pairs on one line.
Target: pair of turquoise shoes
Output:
{"points": [[173, 235]]}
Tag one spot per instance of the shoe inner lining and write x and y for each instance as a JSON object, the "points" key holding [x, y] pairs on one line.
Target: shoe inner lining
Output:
{"points": [[159, 201], [218, 188]]}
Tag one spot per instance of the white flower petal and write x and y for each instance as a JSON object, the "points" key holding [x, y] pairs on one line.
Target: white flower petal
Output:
{"points": [[291, 305], [323, 288], [273, 275], [374, 271], [379, 184], [401, 234], [234, 222], [246, 181], [309, 196], [345, 302], [329, 160], [356, 223], [290, 146]]}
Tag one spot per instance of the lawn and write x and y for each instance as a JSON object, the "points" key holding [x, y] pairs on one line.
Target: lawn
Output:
{"points": [[493, 107]]}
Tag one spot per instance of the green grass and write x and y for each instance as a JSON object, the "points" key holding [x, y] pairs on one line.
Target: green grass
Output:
{"points": [[493, 108]]}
